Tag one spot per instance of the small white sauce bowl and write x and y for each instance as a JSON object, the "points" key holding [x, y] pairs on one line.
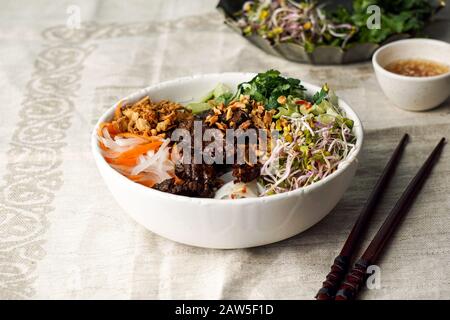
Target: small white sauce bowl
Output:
{"points": [[413, 93], [225, 224]]}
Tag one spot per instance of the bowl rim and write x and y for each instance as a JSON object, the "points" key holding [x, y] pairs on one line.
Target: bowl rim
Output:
{"points": [[381, 69], [100, 161]]}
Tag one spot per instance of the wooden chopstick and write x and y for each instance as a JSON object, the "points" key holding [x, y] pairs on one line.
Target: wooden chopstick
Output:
{"points": [[342, 261], [356, 277]]}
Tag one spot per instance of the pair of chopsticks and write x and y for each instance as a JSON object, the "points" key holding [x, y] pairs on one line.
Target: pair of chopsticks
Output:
{"points": [[340, 285]]}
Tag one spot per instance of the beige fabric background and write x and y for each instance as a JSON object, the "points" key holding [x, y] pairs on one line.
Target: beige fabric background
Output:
{"points": [[63, 236]]}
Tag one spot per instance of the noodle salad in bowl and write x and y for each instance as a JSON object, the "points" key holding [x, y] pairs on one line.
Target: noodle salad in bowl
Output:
{"points": [[245, 160], [305, 140]]}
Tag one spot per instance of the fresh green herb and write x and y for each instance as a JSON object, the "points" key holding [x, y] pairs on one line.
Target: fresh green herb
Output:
{"points": [[267, 87], [320, 95], [397, 16]]}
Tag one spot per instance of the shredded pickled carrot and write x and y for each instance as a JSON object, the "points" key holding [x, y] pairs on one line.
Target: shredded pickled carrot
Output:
{"points": [[143, 179], [130, 157], [102, 146], [135, 178], [148, 183], [109, 126], [140, 149], [125, 161]]}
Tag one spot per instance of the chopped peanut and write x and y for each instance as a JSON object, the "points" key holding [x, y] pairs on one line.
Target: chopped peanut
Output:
{"points": [[281, 100]]}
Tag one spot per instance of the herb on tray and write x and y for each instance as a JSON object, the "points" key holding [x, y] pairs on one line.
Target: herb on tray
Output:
{"points": [[311, 24], [397, 16]]}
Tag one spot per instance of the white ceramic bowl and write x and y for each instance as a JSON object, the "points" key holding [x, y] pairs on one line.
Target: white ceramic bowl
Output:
{"points": [[217, 223], [413, 93]]}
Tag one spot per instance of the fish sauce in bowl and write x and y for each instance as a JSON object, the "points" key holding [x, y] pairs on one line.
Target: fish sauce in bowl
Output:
{"points": [[417, 68]]}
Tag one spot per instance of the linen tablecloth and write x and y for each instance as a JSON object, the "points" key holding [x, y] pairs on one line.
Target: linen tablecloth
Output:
{"points": [[62, 235]]}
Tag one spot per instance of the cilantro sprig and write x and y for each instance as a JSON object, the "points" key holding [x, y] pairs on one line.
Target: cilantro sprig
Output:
{"points": [[397, 16], [267, 87]]}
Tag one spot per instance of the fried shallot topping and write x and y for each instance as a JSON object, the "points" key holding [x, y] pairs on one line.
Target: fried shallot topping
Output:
{"points": [[147, 118], [241, 114]]}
